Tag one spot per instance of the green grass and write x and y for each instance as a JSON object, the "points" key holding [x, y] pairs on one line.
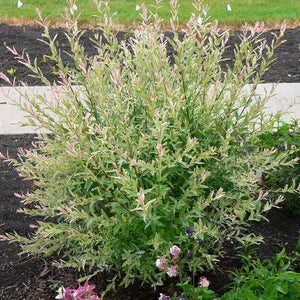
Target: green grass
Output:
{"points": [[250, 11]]}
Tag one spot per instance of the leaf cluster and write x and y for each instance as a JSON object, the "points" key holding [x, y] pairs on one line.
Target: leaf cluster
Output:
{"points": [[268, 279]]}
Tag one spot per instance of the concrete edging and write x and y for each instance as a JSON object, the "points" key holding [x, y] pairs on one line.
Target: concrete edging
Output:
{"points": [[287, 98]]}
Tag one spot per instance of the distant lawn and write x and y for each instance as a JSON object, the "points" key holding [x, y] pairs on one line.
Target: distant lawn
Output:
{"points": [[250, 11]]}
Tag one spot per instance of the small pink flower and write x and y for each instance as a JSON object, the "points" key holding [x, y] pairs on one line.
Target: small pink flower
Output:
{"points": [[161, 263], [174, 250], [173, 271], [175, 259], [85, 291], [68, 294], [204, 282]]}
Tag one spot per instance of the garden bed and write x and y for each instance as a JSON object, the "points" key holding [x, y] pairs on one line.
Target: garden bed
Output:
{"points": [[36, 278]]}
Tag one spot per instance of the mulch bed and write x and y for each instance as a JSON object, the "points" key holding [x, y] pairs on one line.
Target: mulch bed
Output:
{"points": [[286, 67]]}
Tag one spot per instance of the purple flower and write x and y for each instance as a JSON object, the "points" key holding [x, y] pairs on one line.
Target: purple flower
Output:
{"points": [[164, 297], [180, 298], [189, 231], [174, 250], [173, 271], [200, 241], [189, 255], [204, 282]]}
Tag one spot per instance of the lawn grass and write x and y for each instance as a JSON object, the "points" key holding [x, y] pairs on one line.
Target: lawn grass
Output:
{"points": [[250, 11]]}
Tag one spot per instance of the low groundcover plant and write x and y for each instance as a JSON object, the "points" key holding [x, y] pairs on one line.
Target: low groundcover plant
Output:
{"points": [[268, 279], [140, 149], [284, 136]]}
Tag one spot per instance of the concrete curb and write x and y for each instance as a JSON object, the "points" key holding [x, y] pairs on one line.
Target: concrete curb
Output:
{"points": [[287, 99]]}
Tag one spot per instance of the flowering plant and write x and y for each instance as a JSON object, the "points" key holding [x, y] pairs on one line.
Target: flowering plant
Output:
{"points": [[144, 145], [199, 292], [85, 292], [176, 267]]}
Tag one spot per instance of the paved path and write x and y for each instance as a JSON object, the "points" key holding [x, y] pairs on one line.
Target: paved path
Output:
{"points": [[287, 98]]}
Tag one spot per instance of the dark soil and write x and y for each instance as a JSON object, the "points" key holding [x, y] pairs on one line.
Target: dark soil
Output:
{"points": [[36, 278], [286, 67]]}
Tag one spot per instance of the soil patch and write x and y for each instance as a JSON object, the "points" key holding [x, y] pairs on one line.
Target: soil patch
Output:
{"points": [[286, 67]]}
